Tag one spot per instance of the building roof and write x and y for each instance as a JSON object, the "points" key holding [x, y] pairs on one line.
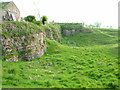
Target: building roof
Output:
{"points": [[6, 3]]}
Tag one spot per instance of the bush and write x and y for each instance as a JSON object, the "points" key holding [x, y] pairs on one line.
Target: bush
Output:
{"points": [[30, 18], [44, 19]]}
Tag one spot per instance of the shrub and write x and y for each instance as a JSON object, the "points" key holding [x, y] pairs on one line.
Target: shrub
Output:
{"points": [[44, 19], [30, 18]]}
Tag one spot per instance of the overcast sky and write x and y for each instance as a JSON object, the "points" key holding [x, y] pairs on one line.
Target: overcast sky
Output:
{"points": [[88, 11]]}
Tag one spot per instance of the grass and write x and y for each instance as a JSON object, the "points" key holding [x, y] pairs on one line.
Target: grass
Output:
{"points": [[17, 29], [91, 62], [97, 37], [72, 26]]}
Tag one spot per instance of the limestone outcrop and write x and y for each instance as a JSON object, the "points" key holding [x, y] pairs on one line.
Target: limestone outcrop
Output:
{"points": [[22, 47], [67, 32], [53, 32], [26, 41]]}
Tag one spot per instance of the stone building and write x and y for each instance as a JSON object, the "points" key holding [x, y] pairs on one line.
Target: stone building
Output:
{"points": [[10, 12]]}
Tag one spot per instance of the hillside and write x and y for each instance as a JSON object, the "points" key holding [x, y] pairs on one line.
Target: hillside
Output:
{"points": [[25, 40], [83, 60], [97, 37]]}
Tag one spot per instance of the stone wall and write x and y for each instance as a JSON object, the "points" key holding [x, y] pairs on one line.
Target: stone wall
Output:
{"points": [[22, 41], [53, 32], [53, 35], [26, 41], [67, 32], [23, 48], [68, 29]]}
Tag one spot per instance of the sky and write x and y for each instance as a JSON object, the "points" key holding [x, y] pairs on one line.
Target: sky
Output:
{"points": [[87, 11]]}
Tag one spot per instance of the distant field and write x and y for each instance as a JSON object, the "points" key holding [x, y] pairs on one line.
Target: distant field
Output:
{"points": [[84, 60]]}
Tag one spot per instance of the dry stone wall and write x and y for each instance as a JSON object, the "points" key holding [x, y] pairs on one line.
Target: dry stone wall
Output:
{"points": [[67, 32], [69, 29], [26, 41], [23, 48], [22, 41], [53, 32]]}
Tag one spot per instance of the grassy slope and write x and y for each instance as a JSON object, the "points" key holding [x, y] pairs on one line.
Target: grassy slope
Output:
{"points": [[93, 65], [98, 37]]}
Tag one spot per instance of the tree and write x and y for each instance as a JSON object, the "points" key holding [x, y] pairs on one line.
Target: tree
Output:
{"points": [[44, 19], [30, 18], [97, 24]]}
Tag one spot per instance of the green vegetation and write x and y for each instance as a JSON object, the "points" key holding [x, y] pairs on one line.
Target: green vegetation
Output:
{"points": [[14, 29], [54, 31], [70, 26], [86, 60], [44, 19], [30, 18], [97, 37], [38, 23], [19, 30]]}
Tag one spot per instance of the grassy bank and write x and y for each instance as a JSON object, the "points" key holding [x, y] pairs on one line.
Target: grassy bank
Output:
{"points": [[84, 60]]}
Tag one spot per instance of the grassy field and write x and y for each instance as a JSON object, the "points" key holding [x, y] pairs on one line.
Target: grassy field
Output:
{"points": [[84, 60]]}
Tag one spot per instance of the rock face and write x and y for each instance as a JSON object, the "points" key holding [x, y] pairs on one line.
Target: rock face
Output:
{"points": [[67, 32], [26, 41], [23, 48], [22, 41], [69, 29], [53, 34]]}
